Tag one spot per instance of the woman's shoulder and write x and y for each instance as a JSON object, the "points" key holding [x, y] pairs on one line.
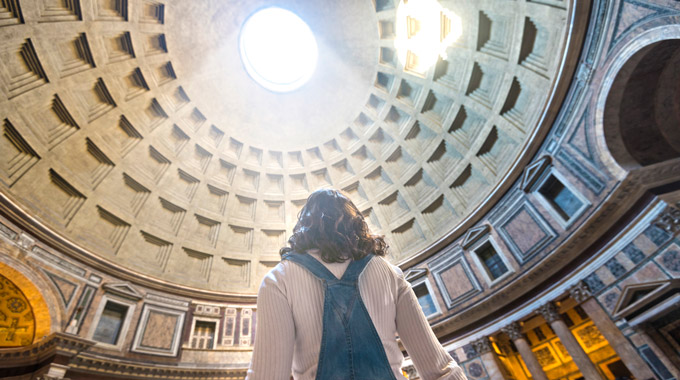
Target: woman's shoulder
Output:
{"points": [[382, 265]]}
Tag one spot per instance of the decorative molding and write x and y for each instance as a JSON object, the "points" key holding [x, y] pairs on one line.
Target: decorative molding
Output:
{"points": [[89, 363], [533, 172], [629, 304], [474, 234], [123, 290], [53, 348], [415, 273]]}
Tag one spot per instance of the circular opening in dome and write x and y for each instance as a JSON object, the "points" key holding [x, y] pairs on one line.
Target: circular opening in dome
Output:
{"points": [[278, 49]]}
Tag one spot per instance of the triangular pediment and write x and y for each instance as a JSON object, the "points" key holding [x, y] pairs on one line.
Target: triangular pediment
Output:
{"points": [[636, 297], [533, 172], [123, 290], [415, 273], [474, 234]]}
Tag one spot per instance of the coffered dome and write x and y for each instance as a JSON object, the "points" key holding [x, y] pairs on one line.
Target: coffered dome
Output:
{"points": [[137, 140]]}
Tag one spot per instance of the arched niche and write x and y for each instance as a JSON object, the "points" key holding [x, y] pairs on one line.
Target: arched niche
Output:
{"points": [[642, 108], [25, 317]]}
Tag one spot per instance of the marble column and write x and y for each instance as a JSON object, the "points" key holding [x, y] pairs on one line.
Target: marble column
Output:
{"points": [[628, 354], [583, 362], [491, 362], [514, 331]]}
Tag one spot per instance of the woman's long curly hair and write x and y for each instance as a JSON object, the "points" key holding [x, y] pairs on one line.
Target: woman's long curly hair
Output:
{"points": [[331, 223]]}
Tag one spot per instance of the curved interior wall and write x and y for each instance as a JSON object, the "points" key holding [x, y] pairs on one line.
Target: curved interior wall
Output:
{"points": [[603, 258]]}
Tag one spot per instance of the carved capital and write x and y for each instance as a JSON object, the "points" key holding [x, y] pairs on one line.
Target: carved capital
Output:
{"points": [[482, 345], [669, 220], [549, 312], [580, 292], [513, 330]]}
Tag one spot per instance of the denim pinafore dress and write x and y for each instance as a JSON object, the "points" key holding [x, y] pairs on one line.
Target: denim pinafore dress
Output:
{"points": [[350, 345]]}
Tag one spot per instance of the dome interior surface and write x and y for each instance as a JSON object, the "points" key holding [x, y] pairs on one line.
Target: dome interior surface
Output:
{"points": [[139, 137]]}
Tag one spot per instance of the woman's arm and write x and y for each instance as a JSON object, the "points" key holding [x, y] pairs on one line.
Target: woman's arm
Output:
{"points": [[428, 355], [274, 334]]}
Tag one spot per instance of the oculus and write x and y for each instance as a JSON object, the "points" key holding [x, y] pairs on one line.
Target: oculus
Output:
{"points": [[278, 49]]}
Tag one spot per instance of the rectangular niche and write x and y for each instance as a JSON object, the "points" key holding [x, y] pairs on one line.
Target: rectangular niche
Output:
{"points": [[400, 162], [444, 159], [563, 200], [494, 150], [113, 317], [236, 272], [159, 331], [454, 277], [10, 13], [408, 235], [22, 68], [245, 207], [240, 239], [273, 240], [16, 155], [484, 85], [111, 10], [435, 212], [58, 11], [450, 71], [436, 106], [274, 211], [159, 248], [196, 266], [495, 34], [52, 123], [112, 228], [425, 295], [536, 51]]}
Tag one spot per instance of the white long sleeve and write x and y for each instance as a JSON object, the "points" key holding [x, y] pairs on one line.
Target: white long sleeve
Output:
{"points": [[290, 313]]}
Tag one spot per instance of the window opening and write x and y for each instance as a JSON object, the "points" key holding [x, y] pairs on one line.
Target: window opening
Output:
{"points": [[110, 323], [204, 335], [425, 299], [492, 261], [563, 200]]}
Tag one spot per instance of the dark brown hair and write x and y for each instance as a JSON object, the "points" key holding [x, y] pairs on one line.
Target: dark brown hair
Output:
{"points": [[330, 222]]}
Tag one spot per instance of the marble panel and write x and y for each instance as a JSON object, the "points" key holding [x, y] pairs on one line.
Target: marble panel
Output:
{"points": [[158, 331], [524, 231], [454, 277]]}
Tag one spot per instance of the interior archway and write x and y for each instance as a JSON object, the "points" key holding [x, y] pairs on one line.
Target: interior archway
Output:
{"points": [[642, 110], [24, 314]]}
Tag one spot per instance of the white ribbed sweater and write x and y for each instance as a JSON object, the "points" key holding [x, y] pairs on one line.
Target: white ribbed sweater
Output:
{"points": [[290, 313]]}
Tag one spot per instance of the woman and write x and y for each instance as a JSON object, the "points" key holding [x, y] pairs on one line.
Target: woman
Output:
{"points": [[333, 307]]}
